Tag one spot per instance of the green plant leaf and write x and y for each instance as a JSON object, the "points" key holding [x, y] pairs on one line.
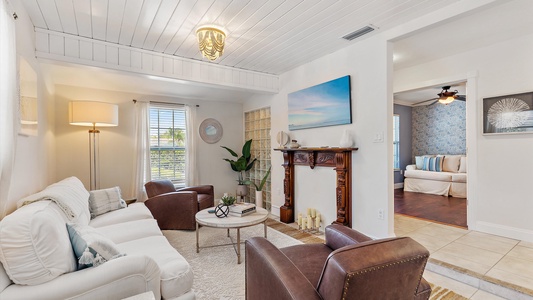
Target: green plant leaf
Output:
{"points": [[262, 184], [250, 165], [246, 149], [230, 151]]}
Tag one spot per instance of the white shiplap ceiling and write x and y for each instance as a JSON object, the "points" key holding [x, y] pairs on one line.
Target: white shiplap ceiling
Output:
{"points": [[271, 36]]}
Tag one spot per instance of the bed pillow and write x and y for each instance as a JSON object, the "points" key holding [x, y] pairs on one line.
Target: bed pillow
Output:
{"points": [[106, 200], [91, 247]]}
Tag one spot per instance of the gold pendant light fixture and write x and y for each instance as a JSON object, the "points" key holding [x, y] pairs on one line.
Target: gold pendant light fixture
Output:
{"points": [[211, 41]]}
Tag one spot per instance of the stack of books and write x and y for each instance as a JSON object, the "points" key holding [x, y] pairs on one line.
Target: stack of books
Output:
{"points": [[241, 209]]}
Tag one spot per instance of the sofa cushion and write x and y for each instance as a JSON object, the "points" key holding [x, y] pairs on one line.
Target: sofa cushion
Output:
{"points": [[419, 162], [34, 244], [132, 230], [176, 274], [69, 194], [459, 177], [462, 167], [433, 163], [451, 163], [135, 211], [91, 247], [106, 200], [421, 174]]}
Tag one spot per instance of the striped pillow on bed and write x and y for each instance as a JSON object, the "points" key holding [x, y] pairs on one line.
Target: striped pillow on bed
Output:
{"points": [[433, 163]]}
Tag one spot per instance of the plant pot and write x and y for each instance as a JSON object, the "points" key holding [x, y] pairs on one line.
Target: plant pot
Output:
{"points": [[242, 190], [259, 198]]}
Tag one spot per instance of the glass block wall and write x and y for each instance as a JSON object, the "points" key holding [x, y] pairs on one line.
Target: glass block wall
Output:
{"points": [[257, 127]]}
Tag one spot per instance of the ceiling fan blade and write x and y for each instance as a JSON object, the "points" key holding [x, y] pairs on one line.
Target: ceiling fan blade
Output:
{"points": [[424, 101], [461, 97]]}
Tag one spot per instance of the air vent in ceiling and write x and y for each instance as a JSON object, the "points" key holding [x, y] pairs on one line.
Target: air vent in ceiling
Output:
{"points": [[358, 33]]}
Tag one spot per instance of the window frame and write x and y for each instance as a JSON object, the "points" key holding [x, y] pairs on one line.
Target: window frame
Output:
{"points": [[396, 142], [175, 147]]}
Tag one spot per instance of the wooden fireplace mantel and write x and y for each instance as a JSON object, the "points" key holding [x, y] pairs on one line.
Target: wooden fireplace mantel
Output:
{"points": [[338, 158]]}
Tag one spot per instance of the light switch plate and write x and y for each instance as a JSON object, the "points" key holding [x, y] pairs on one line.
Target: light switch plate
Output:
{"points": [[378, 137]]}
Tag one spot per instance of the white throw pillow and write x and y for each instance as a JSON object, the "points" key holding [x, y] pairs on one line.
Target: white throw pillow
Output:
{"points": [[451, 163], [462, 167], [106, 200], [34, 244]]}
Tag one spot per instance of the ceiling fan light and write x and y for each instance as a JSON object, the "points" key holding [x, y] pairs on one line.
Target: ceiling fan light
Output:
{"points": [[211, 40], [446, 100]]}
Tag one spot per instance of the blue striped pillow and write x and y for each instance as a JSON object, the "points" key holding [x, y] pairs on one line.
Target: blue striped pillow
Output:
{"points": [[433, 164]]}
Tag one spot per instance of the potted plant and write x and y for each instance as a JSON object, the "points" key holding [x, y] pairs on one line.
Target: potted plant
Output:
{"points": [[259, 189], [242, 164]]}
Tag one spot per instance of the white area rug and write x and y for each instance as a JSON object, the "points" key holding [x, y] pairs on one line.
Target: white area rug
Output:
{"points": [[216, 272]]}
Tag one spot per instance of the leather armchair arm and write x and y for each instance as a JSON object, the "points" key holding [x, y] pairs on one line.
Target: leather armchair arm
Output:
{"points": [[174, 210], [338, 236], [200, 189], [271, 275]]}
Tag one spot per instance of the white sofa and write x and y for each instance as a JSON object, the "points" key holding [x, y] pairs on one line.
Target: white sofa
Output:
{"points": [[38, 261], [450, 181]]}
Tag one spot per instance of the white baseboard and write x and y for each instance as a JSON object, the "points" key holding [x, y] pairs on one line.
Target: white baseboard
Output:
{"points": [[398, 185], [274, 209], [506, 231]]}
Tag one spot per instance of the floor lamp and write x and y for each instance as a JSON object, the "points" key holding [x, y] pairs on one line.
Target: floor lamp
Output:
{"points": [[93, 114]]}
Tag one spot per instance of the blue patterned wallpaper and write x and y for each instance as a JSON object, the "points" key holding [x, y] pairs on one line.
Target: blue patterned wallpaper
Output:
{"points": [[439, 129]]}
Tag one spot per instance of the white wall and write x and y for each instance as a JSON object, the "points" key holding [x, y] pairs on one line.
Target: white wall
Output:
{"points": [[117, 143], [500, 195], [368, 64], [34, 155]]}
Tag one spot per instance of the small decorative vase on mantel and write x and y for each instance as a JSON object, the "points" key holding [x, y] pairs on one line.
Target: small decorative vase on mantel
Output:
{"points": [[346, 139]]}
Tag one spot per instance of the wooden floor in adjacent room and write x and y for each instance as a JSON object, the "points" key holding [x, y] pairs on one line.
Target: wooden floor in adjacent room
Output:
{"points": [[446, 210]]}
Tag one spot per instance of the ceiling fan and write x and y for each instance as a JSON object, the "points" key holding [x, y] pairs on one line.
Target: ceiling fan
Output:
{"points": [[445, 97]]}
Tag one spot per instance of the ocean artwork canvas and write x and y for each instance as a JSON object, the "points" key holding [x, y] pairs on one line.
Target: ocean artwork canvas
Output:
{"points": [[325, 104]]}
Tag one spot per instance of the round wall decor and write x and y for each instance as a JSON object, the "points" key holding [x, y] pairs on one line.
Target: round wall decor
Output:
{"points": [[210, 131]]}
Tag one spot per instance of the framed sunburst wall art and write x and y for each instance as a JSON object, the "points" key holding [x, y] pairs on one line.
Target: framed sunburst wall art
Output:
{"points": [[508, 114]]}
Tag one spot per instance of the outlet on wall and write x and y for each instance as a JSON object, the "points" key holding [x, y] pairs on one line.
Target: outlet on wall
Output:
{"points": [[381, 214]]}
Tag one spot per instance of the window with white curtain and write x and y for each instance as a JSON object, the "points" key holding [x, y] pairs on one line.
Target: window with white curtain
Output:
{"points": [[396, 141], [168, 138]]}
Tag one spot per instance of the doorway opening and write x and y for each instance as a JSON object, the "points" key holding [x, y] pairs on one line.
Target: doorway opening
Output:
{"points": [[430, 161]]}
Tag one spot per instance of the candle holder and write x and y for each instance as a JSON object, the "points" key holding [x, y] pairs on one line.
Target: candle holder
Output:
{"points": [[303, 223]]}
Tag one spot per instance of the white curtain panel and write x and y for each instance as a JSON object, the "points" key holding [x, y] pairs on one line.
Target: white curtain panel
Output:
{"points": [[142, 150], [191, 170], [9, 112]]}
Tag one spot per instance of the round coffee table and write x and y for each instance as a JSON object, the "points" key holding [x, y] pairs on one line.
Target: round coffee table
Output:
{"points": [[207, 219]]}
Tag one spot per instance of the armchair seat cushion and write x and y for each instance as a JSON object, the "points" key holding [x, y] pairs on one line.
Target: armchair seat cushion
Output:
{"points": [[309, 259]]}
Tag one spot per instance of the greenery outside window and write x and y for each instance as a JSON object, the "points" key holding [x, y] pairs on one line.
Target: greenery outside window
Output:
{"points": [[396, 141], [167, 143]]}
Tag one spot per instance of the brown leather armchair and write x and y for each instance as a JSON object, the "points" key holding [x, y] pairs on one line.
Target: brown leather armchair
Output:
{"points": [[349, 265], [175, 209]]}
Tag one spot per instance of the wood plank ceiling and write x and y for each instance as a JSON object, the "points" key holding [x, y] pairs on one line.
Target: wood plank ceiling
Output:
{"points": [[271, 36]]}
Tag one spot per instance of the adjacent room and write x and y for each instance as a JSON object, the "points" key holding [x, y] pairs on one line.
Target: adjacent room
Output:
{"points": [[227, 149]]}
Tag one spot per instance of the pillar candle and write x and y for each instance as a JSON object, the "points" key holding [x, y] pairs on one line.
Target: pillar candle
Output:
{"points": [[299, 219], [317, 220], [313, 212], [303, 223], [309, 222], [308, 211]]}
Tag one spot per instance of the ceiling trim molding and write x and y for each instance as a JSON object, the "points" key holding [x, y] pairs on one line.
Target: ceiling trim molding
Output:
{"points": [[79, 50]]}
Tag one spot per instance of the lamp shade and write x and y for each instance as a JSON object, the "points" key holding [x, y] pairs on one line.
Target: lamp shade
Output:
{"points": [[93, 113]]}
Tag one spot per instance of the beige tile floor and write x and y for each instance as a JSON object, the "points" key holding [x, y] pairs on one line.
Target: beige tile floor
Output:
{"points": [[501, 258]]}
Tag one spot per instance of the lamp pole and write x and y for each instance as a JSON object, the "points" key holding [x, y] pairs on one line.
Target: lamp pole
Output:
{"points": [[94, 157]]}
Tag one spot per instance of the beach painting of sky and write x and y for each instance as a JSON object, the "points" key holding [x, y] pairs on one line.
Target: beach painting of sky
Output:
{"points": [[326, 104]]}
